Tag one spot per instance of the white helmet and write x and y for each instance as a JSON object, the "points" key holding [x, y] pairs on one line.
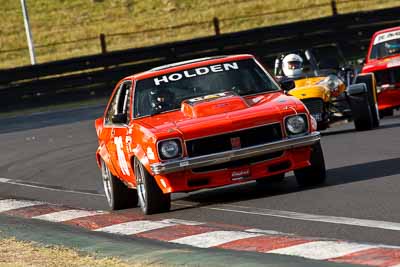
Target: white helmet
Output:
{"points": [[292, 66]]}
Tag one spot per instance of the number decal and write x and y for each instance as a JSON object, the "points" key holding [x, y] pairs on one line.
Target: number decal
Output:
{"points": [[121, 156]]}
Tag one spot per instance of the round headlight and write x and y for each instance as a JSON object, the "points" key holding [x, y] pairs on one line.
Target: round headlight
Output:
{"points": [[169, 149], [332, 82], [296, 124]]}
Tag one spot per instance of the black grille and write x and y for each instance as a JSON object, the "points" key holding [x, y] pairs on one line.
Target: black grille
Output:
{"points": [[314, 105], [388, 76], [240, 162], [223, 142]]}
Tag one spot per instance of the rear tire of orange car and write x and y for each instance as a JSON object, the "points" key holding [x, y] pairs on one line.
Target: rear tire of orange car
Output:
{"points": [[314, 174], [151, 198], [118, 195]]}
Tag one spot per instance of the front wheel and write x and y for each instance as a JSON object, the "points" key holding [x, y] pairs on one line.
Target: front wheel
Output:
{"points": [[315, 173], [118, 195], [370, 82], [151, 198]]}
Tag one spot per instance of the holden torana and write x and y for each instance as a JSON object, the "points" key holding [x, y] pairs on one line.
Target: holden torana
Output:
{"points": [[199, 124], [383, 60]]}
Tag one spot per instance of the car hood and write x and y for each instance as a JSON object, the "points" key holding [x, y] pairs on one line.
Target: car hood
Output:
{"points": [[231, 115], [382, 64], [306, 82]]}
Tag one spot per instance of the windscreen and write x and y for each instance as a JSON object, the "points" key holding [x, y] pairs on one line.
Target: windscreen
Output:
{"points": [[386, 44], [166, 92]]}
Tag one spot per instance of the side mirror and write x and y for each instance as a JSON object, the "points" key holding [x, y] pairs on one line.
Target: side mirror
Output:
{"points": [[119, 118], [287, 84]]}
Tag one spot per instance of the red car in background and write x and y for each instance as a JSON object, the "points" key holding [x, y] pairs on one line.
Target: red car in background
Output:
{"points": [[384, 60], [201, 124]]}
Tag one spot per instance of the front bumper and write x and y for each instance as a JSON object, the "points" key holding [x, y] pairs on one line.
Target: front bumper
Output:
{"points": [[231, 155]]}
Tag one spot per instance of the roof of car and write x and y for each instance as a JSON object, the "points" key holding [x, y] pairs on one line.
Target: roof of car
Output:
{"points": [[387, 30], [187, 64]]}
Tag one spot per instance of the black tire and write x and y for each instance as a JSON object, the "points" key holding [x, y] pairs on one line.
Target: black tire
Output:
{"points": [[277, 178], [118, 195], [364, 121], [370, 82], [151, 198], [386, 113], [314, 174]]}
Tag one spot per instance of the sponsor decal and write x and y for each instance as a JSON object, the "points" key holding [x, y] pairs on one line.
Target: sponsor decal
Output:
{"points": [[240, 174], [235, 143], [173, 77], [387, 36]]}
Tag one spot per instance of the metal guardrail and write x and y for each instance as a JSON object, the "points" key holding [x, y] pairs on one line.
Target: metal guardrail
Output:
{"points": [[95, 75]]}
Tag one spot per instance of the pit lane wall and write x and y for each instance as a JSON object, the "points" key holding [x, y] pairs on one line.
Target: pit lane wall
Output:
{"points": [[95, 76]]}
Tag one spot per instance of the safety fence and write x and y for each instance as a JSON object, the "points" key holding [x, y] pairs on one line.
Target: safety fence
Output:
{"points": [[94, 76], [105, 40]]}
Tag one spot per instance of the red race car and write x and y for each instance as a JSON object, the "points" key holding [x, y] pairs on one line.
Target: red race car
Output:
{"points": [[384, 60], [201, 124]]}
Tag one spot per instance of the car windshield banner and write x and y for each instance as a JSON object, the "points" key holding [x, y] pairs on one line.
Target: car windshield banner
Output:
{"points": [[176, 76], [387, 36]]}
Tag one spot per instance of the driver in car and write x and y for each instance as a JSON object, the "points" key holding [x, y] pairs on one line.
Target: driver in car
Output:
{"points": [[292, 66], [161, 100]]}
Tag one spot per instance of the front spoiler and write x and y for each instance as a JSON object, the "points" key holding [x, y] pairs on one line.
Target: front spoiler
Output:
{"points": [[231, 155]]}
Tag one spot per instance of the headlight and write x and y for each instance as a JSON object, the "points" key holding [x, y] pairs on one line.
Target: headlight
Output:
{"points": [[170, 149], [332, 82], [296, 124]]}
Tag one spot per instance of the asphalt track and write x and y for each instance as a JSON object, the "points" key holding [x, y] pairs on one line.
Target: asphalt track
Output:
{"points": [[50, 157]]}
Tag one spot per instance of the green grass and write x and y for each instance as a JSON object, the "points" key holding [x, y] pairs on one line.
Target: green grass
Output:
{"points": [[60, 21]]}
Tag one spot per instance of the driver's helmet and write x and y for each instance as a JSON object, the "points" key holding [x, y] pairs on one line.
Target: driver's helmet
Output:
{"points": [[161, 100], [393, 47], [292, 66]]}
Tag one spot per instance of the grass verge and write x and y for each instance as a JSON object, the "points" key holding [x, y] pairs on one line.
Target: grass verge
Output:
{"points": [[17, 253], [58, 24]]}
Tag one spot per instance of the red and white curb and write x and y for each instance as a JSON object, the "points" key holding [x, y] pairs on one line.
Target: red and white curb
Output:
{"points": [[207, 235]]}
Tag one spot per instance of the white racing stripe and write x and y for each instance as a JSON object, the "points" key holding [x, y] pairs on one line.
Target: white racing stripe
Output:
{"points": [[12, 204], [309, 217], [134, 227], [212, 239], [66, 215], [322, 250]]}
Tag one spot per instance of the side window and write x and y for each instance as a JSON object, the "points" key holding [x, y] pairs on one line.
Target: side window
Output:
{"points": [[120, 103]]}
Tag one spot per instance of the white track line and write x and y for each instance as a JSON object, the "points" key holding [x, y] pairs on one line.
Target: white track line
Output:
{"points": [[183, 222], [12, 204], [20, 183], [309, 217], [267, 232], [322, 250], [212, 239], [66, 215], [134, 227]]}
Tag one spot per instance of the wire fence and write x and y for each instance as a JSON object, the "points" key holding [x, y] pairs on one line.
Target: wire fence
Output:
{"points": [[105, 41]]}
